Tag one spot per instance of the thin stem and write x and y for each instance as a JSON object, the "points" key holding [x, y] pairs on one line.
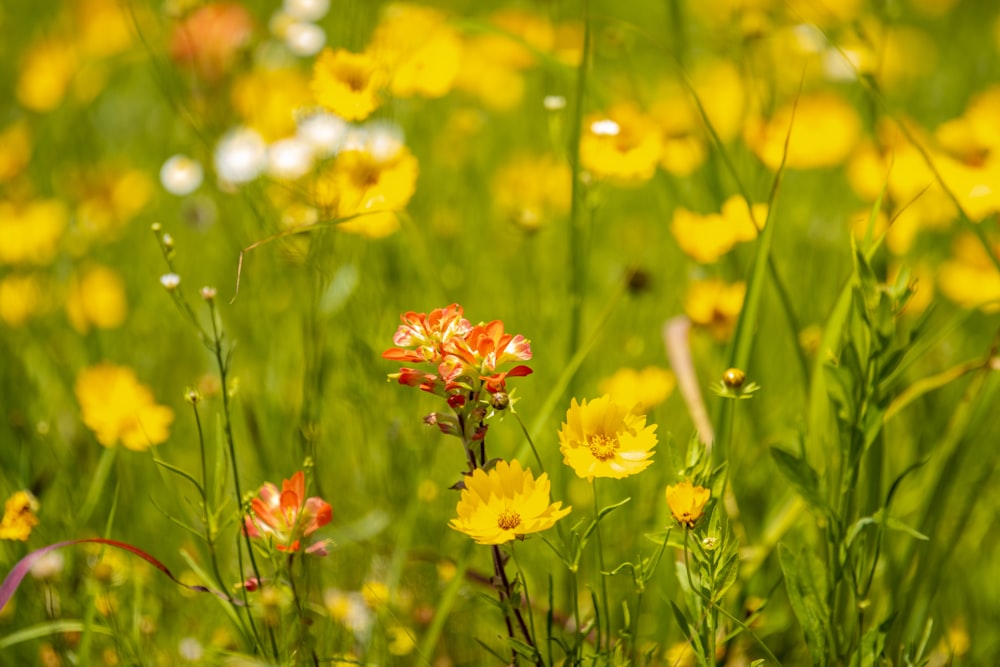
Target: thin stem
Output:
{"points": [[228, 428], [604, 579]]}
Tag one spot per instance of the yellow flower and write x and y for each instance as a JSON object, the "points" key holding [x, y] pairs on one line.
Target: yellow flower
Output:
{"points": [[118, 408], [825, 130], [644, 389], [687, 502], [706, 238], [622, 146], [96, 298], [15, 149], [109, 197], [419, 48], [683, 147], [47, 70], [970, 278], [715, 305], [19, 516], [30, 233], [374, 184], [20, 298], [504, 504], [401, 640], [484, 74], [531, 190], [348, 84], [604, 438], [267, 100]]}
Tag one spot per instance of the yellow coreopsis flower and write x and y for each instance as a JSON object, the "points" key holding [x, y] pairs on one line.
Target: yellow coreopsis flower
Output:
{"points": [[706, 238], [30, 233], [687, 502], [118, 408], [20, 298], [715, 305], [504, 504], [824, 130], [19, 516], [603, 438], [531, 190], [96, 298], [15, 149], [646, 388], [372, 184], [970, 278], [348, 84], [622, 145], [268, 98], [421, 51]]}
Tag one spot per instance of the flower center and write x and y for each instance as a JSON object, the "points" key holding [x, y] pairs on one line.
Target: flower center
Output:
{"points": [[508, 519], [603, 447]]}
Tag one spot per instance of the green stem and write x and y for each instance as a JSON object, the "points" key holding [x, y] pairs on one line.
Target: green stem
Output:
{"points": [[576, 227], [604, 579]]}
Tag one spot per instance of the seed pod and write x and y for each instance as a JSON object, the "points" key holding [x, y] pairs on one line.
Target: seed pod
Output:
{"points": [[500, 400]]}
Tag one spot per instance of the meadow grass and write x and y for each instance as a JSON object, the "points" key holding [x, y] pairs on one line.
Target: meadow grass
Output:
{"points": [[794, 204]]}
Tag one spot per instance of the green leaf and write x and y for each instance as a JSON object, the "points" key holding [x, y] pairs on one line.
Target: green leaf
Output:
{"points": [[802, 476], [803, 581], [47, 629], [726, 577]]}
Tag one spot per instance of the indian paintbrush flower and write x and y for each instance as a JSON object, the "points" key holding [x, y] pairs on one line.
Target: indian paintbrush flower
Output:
{"points": [[284, 517]]}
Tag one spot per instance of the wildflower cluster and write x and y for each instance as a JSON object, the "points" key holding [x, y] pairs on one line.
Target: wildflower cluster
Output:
{"points": [[283, 517]]}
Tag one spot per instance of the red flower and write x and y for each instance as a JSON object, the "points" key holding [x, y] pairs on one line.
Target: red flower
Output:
{"points": [[287, 516]]}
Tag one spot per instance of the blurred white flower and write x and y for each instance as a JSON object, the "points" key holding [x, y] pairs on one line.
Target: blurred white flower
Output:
{"points": [[554, 102], [605, 128], [48, 565], [240, 156], [304, 39], [190, 649], [170, 281], [323, 131], [307, 10], [289, 158], [180, 175]]}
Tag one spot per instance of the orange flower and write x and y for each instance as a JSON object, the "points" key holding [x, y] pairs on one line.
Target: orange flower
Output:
{"points": [[209, 40], [287, 516]]}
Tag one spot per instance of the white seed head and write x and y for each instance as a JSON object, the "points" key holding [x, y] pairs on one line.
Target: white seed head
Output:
{"points": [[323, 131], [554, 102]]}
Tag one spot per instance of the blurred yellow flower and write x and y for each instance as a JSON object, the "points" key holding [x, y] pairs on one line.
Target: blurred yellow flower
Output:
{"points": [[706, 238], [970, 278], [715, 305], [20, 298], [720, 89], [348, 84], [643, 389], [19, 516], [687, 502], [109, 197], [682, 149], [604, 438], [15, 149], [826, 129], [102, 27], [373, 185], [530, 190], [118, 408], [622, 145], [401, 640], [46, 72], [504, 504], [266, 99], [419, 48], [96, 298], [487, 77], [30, 233]]}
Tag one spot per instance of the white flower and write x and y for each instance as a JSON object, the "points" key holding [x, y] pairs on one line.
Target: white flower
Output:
{"points": [[170, 281], [605, 128], [554, 102], [289, 158], [323, 131], [240, 156], [180, 175], [304, 39], [307, 10]]}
